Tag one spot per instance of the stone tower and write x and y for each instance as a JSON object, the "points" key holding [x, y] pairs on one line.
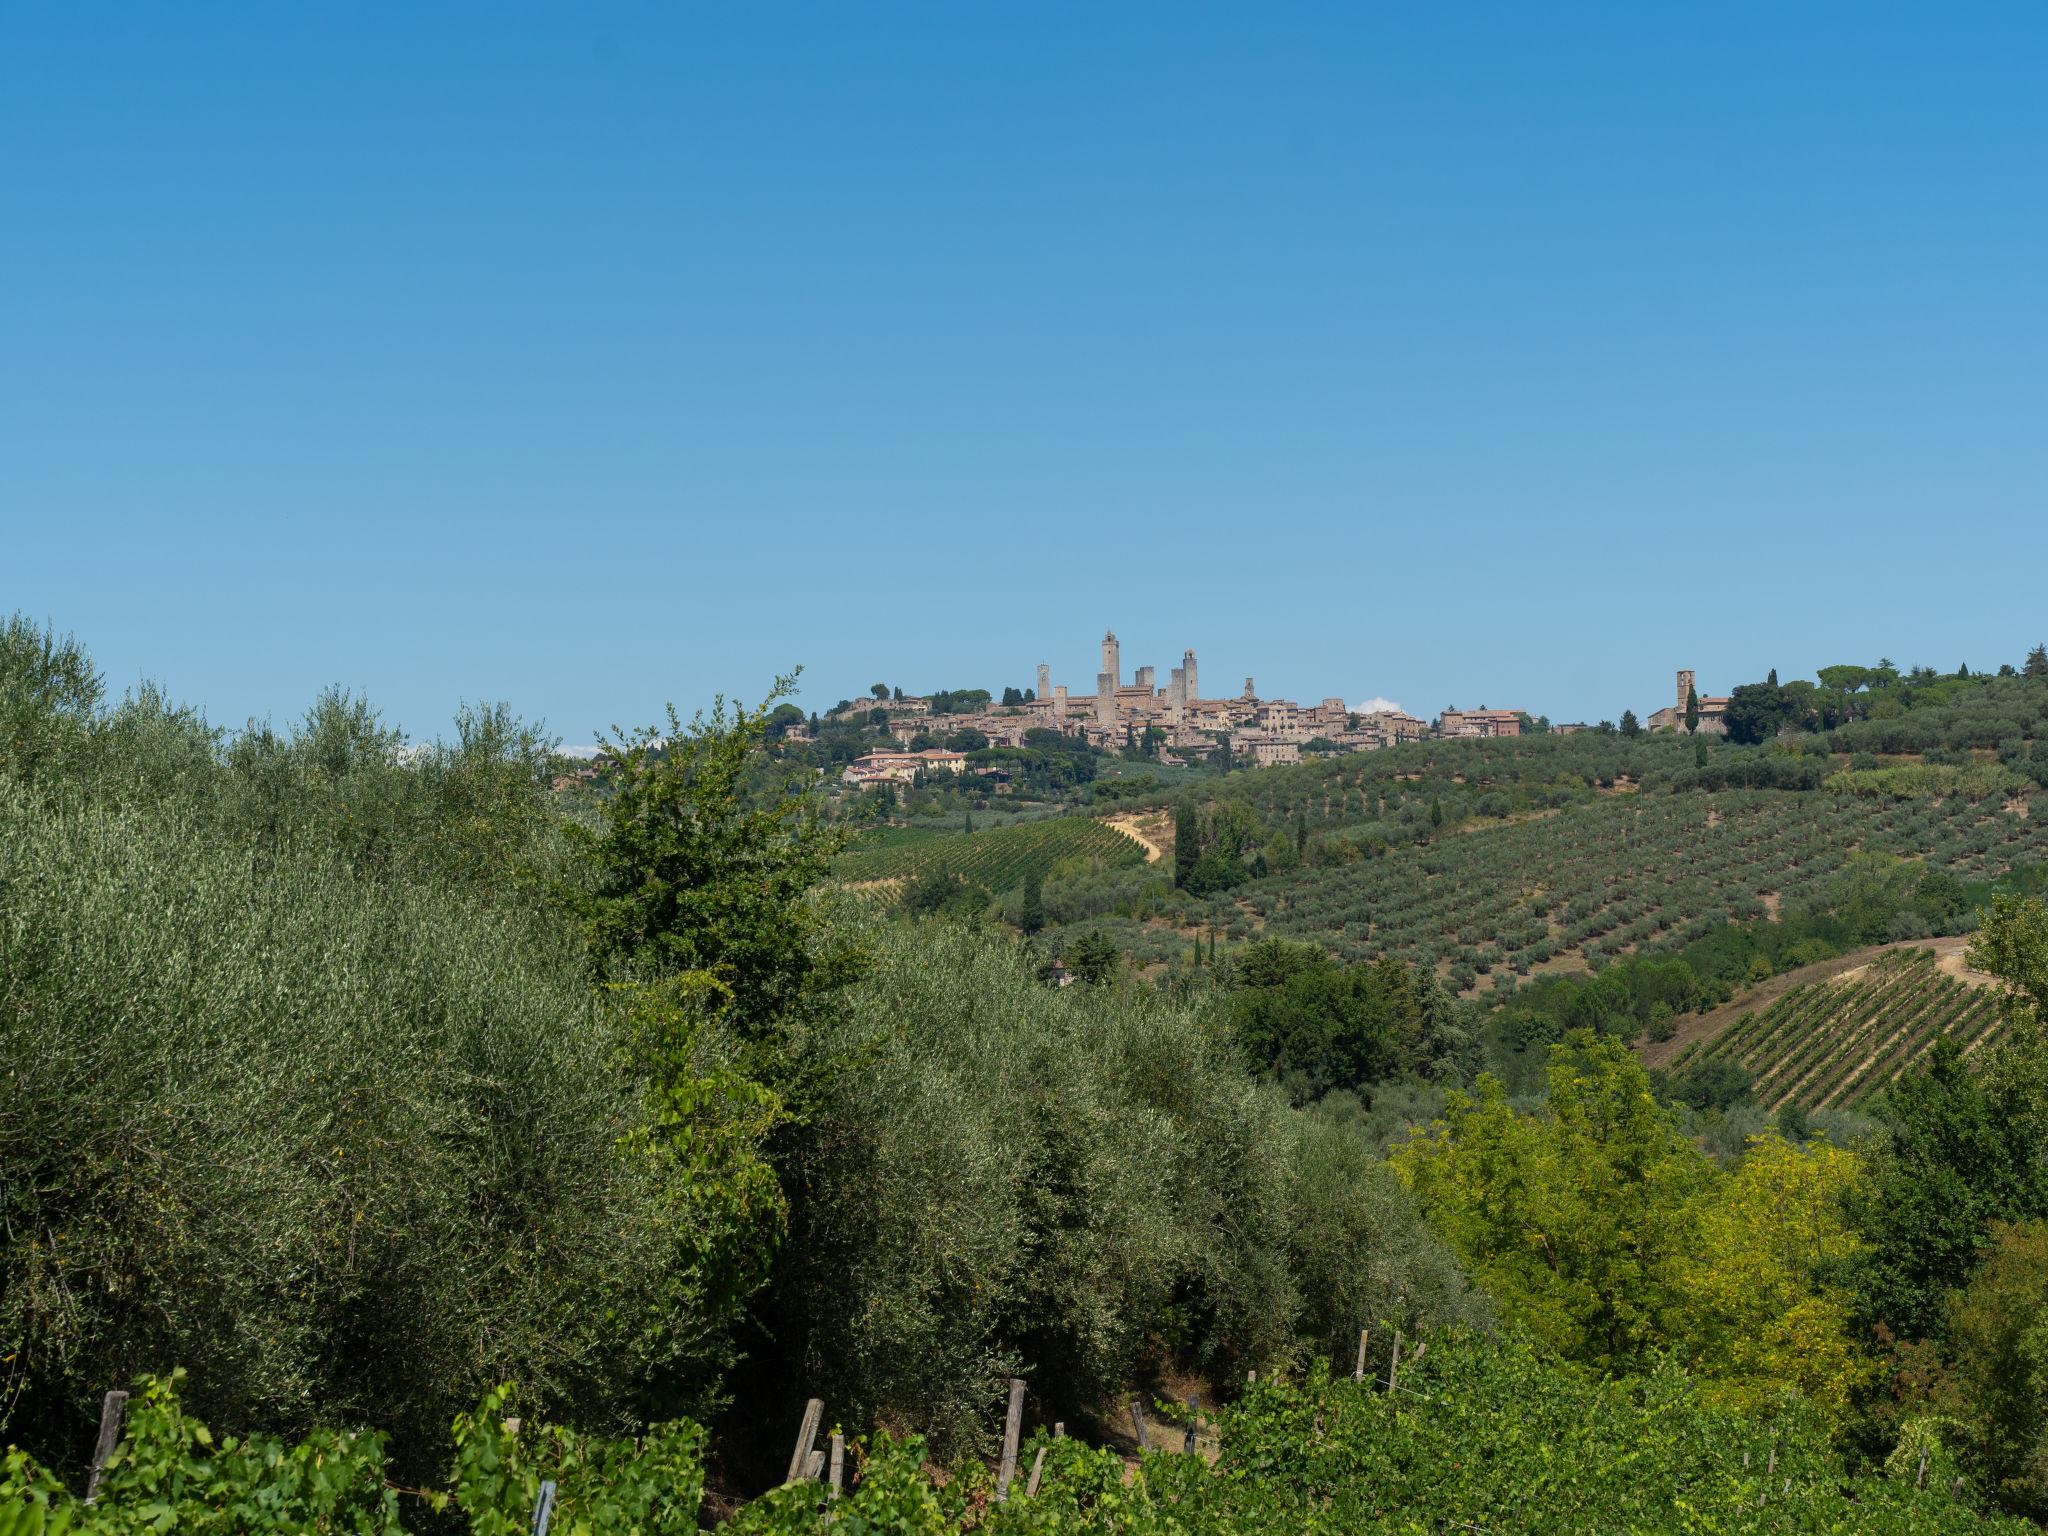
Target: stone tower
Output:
{"points": [[1177, 687], [1044, 681], [1059, 702], [1112, 661], [1143, 678], [1191, 690], [1684, 688]]}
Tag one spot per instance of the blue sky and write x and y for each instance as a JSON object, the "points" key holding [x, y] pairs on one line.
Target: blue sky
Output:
{"points": [[592, 356]]}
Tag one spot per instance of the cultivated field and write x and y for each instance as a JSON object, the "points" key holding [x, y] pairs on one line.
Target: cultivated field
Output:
{"points": [[999, 860], [1601, 879], [1832, 1044]]}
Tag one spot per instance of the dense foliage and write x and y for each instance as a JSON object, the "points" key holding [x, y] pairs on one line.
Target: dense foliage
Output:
{"points": [[354, 1076], [1472, 1436]]}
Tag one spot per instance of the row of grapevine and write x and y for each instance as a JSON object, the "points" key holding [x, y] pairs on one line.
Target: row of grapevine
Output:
{"points": [[1000, 859], [1833, 1044]]}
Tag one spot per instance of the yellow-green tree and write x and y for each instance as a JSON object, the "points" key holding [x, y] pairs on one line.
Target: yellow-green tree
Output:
{"points": [[1763, 1314], [1579, 1222]]}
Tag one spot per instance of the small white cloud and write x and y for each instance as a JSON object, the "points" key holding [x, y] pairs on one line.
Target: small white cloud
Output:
{"points": [[1378, 707]]}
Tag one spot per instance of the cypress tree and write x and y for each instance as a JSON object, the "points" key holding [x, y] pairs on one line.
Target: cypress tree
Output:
{"points": [[1692, 710], [1436, 813], [1301, 830], [1186, 844], [1031, 917]]}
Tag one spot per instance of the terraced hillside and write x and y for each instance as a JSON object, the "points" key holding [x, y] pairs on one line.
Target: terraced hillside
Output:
{"points": [[999, 859], [1833, 1044]]}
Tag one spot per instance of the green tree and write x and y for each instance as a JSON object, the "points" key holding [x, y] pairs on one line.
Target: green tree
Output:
{"points": [[1755, 712], [1301, 831], [1692, 710], [1092, 958], [1998, 1327], [1959, 1151], [1031, 912], [1187, 842], [1436, 814], [49, 694], [2037, 662], [1630, 725], [879, 690], [689, 873], [1699, 752], [1577, 1222]]}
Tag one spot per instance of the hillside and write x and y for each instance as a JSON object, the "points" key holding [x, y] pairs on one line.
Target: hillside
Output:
{"points": [[1837, 1041], [998, 860]]}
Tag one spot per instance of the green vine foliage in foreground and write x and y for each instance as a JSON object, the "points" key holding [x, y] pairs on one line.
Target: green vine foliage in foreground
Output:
{"points": [[1480, 1436]]}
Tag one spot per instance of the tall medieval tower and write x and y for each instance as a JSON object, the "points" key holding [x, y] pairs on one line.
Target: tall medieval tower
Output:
{"points": [[1684, 687], [1112, 661], [1044, 681], [1191, 690]]}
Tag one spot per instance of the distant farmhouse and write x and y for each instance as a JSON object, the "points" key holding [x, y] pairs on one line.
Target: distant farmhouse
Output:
{"points": [[900, 767]]}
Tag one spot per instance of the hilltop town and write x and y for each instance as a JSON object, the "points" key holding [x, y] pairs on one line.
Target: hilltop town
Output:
{"points": [[1176, 724]]}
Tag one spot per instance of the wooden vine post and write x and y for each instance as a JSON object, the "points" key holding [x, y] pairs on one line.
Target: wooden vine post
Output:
{"points": [[543, 1509], [1013, 1427], [1358, 1371], [113, 1410], [838, 1462], [806, 1437], [1394, 1365], [1138, 1420]]}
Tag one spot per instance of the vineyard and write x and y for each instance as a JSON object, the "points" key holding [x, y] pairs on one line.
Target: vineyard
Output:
{"points": [[998, 860], [1833, 1044], [1592, 881]]}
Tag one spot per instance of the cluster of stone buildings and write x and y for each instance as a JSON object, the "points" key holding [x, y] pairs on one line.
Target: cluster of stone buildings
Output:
{"points": [[1713, 712], [1178, 723], [900, 767], [1118, 714]]}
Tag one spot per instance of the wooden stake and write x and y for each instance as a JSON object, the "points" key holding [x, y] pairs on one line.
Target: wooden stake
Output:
{"points": [[1037, 1467], [1013, 1426], [1138, 1420], [1059, 1429], [838, 1462], [814, 1466], [1394, 1365], [806, 1437], [1920, 1477], [1187, 1440], [1358, 1371], [113, 1410], [543, 1509]]}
